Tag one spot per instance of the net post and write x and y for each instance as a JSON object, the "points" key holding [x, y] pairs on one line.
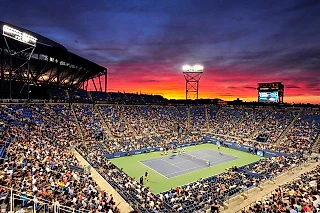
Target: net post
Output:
{"points": [[11, 199]]}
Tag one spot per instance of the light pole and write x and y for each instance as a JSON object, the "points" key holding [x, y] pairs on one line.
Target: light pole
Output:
{"points": [[192, 74]]}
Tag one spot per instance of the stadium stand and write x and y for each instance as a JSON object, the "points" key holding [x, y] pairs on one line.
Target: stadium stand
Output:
{"points": [[40, 173], [299, 195], [41, 135], [38, 163]]}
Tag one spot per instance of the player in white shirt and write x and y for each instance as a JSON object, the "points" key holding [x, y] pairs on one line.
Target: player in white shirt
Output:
{"points": [[219, 148]]}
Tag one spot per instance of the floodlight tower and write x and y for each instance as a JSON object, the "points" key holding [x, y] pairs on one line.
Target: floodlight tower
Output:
{"points": [[192, 74], [20, 52]]}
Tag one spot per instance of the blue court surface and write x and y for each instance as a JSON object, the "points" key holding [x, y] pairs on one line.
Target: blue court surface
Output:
{"points": [[172, 166]]}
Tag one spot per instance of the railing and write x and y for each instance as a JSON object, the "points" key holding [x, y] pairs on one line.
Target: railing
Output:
{"points": [[245, 192], [299, 166], [15, 201]]}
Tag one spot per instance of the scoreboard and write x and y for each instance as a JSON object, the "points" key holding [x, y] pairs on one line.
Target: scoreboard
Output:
{"points": [[270, 92]]}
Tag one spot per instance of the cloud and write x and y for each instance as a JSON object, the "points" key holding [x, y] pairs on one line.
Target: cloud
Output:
{"points": [[144, 43], [292, 87], [302, 5]]}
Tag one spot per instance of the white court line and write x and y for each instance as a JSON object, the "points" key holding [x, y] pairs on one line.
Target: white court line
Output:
{"points": [[196, 167], [153, 170], [171, 164], [184, 171], [210, 150], [231, 158], [151, 160]]}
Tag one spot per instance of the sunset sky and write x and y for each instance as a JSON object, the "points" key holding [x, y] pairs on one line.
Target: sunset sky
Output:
{"points": [[144, 43]]}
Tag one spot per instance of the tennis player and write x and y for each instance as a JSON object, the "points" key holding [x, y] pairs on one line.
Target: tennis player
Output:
{"points": [[219, 148], [166, 150], [208, 163], [183, 149], [146, 175]]}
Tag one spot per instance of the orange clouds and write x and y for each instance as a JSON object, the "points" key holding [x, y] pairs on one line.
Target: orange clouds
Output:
{"points": [[168, 81]]}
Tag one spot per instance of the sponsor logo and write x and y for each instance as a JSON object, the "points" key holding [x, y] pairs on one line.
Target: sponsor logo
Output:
{"points": [[271, 153]]}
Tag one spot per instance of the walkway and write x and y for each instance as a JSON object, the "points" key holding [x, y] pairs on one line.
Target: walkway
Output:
{"points": [[123, 206], [237, 203]]}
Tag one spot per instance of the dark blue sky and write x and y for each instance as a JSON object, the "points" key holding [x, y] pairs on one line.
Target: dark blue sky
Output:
{"points": [[144, 43]]}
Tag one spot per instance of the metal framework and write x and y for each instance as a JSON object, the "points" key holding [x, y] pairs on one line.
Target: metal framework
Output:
{"points": [[28, 70], [15, 67], [192, 76], [102, 86]]}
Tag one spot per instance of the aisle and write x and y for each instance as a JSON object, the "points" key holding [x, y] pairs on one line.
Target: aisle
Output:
{"points": [[123, 206]]}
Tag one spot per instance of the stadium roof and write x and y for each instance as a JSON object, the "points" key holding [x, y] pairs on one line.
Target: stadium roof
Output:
{"points": [[51, 62]]}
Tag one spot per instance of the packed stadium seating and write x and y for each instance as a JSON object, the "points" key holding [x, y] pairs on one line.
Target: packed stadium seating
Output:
{"points": [[39, 137], [38, 161], [300, 195]]}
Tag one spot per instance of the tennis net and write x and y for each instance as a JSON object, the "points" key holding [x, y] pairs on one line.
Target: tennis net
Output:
{"points": [[195, 159]]}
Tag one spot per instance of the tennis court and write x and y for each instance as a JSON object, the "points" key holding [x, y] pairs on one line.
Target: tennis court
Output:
{"points": [[172, 166], [161, 176]]}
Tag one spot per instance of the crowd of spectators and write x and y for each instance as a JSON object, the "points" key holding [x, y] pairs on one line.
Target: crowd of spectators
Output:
{"points": [[198, 119], [139, 196], [251, 121], [299, 195], [270, 167], [303, 132], [275, 124], [38, 162], [113, 116], [89, 120], [225, 120]]}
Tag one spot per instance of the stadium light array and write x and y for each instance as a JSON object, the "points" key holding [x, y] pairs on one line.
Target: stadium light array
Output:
{"points": [[18, 35], [193, 69]]}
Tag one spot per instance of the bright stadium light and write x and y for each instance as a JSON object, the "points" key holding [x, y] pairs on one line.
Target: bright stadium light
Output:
{"points": [[18, 35], [198, 67], [186, 67], [192, 74], [193, 69]]}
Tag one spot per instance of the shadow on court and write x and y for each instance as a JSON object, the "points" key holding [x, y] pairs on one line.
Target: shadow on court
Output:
{"points": [[172, 166]]}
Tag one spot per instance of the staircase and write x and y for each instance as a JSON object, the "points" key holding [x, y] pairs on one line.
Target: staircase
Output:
{"points": [[260, 125], [283, 134], [237, 124], [188, 118], [122, 118], [67, 94], [316, 146], [105, 127], [173, 129], [90, 96], [77, 122], [109, 97], [215, 116], [207, 118], [144, 119]]}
